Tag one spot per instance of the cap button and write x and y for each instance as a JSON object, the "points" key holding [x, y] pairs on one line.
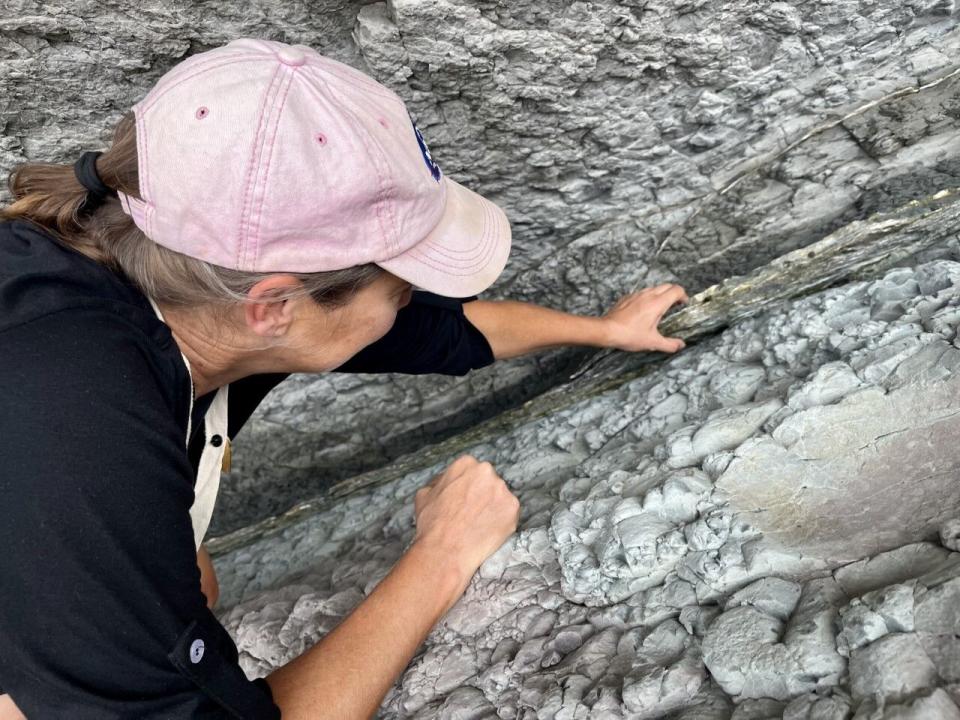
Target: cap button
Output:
{"points": [[291, 56]]}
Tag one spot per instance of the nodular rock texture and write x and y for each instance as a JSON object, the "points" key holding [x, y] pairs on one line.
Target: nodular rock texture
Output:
{"points": [[760, 527], [630, 142]]}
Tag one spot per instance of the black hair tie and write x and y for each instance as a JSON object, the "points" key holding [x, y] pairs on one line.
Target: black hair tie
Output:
{"points": [[85, 168]]}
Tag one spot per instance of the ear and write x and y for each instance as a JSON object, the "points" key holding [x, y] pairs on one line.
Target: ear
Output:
{"points": [[264, 314]]}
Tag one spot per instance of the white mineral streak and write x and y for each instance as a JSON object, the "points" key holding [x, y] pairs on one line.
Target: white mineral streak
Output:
{"points": [[742, 533]]}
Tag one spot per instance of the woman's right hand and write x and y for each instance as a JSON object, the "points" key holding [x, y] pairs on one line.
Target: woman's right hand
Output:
{"points": [[463, 515], [466, 512]]}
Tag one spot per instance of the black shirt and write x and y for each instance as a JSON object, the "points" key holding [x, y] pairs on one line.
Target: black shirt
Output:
{"points": [[101, 613]]}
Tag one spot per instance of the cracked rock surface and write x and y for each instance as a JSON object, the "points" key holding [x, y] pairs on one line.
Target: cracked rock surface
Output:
{"points": [[669, 139], [664, 565]]}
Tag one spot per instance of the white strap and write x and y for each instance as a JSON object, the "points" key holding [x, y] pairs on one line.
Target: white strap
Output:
{"points": [[211, 462]]}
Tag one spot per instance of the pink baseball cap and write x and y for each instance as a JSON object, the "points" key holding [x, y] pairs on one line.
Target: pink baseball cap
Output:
{"points": [[267, 157]]}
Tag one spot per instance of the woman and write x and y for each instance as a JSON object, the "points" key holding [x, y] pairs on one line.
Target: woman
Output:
{"points": [[262, 211]]}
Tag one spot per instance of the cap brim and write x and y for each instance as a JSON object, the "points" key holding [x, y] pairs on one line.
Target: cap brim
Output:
{"points": [[464, 253]]}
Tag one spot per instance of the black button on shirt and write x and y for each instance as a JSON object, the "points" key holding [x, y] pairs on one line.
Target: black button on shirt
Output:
{"points": [[96, 485]]}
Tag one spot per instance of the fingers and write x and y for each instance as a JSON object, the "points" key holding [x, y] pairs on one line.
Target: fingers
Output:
{"points": [[668, 345], [467, 515], [460, 464], [655, 290], [454, 469], [420, 501], [634, 320], [667, 299], [677, 293], [671, 293], [463, 464]]}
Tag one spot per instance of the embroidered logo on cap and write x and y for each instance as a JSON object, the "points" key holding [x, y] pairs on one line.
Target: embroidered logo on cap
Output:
{"points": [[427, 157]]}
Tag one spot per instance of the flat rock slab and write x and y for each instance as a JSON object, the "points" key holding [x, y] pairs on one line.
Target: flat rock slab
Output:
{"points": [[822, 481]]}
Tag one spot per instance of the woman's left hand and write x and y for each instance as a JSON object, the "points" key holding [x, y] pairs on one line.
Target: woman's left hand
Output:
{"points": [[631, 324]]}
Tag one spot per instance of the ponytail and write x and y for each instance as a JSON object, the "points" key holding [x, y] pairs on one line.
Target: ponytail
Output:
{"points": [[50, 195]]}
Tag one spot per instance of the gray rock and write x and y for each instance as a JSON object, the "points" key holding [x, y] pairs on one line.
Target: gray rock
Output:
{"points": [[638, 589], [950, 534], [936, 704], [817, 707], [894, 566], [743, 653], [773, 596], [893, 667], [817, 483], [938, 608], [759, 709]]}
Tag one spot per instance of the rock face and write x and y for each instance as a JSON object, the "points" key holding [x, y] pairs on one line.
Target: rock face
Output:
{"points": [[653, 110], [747, 531], [667, 139]]}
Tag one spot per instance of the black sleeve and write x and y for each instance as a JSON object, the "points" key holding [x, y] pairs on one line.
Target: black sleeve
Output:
{"points": [[101, 613], [431, 335]]}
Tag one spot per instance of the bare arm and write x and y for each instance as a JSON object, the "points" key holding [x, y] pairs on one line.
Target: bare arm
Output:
{"points": [[462, 518], [208, 577], [515, 328], [9, 709]]}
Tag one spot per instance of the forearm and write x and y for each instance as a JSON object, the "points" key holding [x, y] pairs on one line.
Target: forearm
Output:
{"points": [[346, 675], [515, 328], [208, 576]]}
